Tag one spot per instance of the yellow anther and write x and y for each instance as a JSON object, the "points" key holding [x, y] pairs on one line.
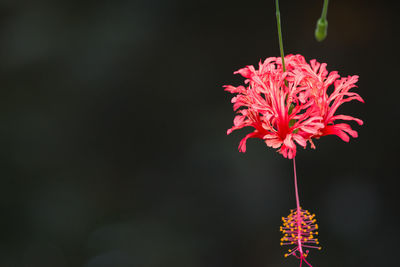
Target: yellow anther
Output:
{"points": [[298, 227]]}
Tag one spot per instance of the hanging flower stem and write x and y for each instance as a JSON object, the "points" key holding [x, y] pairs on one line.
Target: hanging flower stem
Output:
{"points": [[324, 9], [278, 21]]}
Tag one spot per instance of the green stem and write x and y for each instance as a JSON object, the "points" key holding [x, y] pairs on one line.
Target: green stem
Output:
{"points": [[325, 9], [278, 20]]}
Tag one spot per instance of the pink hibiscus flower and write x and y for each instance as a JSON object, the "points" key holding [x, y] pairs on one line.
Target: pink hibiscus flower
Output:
{"points": [[289, 108]]}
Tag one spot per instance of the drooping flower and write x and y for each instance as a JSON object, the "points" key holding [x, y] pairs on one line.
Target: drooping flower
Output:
{"points": [[290, 108], [299, 230]]}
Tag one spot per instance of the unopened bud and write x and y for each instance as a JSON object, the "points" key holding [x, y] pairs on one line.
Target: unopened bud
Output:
{"points": [[321, 31]]}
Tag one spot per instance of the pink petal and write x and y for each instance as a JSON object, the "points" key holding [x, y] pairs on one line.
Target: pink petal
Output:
{"points": [[233, 89], [238, 120], [242, 144], [289, 142], [346, 118], [300, 140], [272, 140], [332, 130], [341, 130], [245, 72]]}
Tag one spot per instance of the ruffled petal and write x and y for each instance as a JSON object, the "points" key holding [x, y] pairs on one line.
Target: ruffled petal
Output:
{"points": [[272, 140], [347, 118], [341, 130], [300, 140], [242, 144], [234, 90]]}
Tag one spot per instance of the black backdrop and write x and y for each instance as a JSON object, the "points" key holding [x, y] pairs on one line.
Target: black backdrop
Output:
{"points": [[113, 138]]}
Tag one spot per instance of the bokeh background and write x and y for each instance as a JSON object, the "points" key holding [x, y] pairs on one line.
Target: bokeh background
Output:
{"points": [[113, 146]]}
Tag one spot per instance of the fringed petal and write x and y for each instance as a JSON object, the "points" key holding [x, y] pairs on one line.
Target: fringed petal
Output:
{"points": [[347, 118], [333, 130], [234, 90], [245, 72], [341, 130], [300, 140], [272, 140], [242, 144]]}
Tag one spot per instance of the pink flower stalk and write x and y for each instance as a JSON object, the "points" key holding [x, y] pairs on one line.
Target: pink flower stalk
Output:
{"points": [[291, 108]]}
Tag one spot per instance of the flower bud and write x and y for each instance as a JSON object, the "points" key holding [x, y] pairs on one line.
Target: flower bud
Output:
{"points": [[321, 31]]}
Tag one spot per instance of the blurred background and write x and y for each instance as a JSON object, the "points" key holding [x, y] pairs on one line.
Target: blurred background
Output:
{"points": [[113, 141]]}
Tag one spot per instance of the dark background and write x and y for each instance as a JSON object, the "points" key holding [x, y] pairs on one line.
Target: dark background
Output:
{"points": [[113, 146]]}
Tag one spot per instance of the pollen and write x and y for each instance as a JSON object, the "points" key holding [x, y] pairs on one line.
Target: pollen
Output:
{"points": [[299, 229]]}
